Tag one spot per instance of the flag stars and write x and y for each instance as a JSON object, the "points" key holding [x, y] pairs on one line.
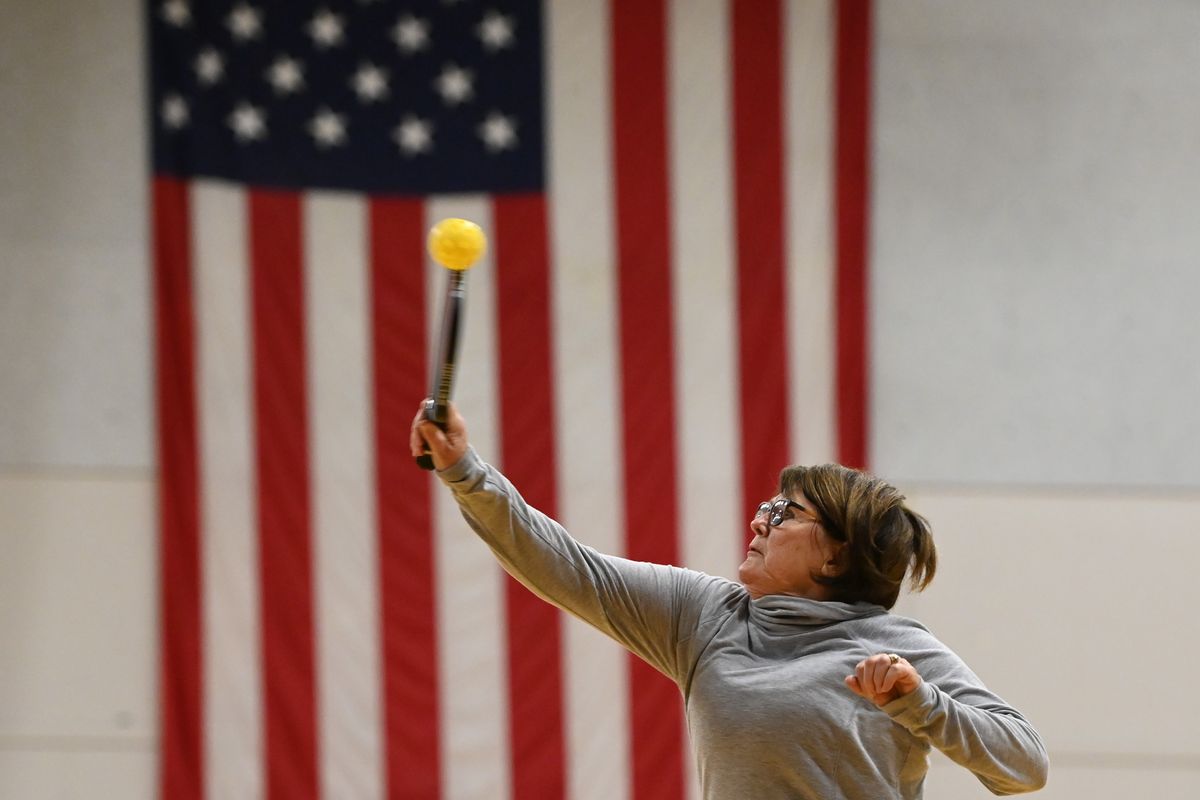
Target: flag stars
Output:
{"points": [[414, 135], [327, 128], [286, 75], [174, 112], [326, 29], [370, 83], [248, 123], [499, 132], [209, 66], [495, 31], [455, 85], [244, 22], [411, 34], [176, 13]]}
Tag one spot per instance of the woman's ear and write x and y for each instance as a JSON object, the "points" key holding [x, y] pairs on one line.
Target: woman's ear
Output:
{"points": [[835, 561]]}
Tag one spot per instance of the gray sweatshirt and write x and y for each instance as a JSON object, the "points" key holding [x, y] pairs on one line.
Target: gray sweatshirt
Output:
{"points": [[768, 712]]}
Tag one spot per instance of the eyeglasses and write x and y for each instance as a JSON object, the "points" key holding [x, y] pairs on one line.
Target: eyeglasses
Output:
{"points": [[774, 512]]}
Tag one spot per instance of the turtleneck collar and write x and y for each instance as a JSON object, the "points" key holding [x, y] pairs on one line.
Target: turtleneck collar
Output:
{"points": [[781, 613]]}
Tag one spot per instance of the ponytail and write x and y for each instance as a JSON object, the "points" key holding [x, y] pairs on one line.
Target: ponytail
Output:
{"points": [[924, 552]]}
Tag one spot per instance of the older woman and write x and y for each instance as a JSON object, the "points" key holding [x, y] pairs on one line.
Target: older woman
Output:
{"points": [[798, 682]]}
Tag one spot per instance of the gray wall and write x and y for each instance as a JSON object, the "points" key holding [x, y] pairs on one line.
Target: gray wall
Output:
{"points": [[1036, 245], [77, 601], [74, 293]]}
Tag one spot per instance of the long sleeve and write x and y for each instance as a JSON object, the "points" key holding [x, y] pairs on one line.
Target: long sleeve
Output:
{"points": [[954, 712], [642, 606]]}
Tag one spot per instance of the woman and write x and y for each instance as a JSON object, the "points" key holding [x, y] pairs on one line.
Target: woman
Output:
{"points": [[797, 681]]}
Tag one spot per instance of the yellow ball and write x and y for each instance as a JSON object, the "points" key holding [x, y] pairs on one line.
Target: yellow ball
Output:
{"points": [[456, 243]]}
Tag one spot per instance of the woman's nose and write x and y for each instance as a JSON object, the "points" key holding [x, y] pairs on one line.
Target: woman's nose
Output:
{"points": [[759, 526]]}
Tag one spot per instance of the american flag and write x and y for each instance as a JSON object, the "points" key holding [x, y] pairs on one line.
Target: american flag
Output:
{"points": [[672, 308]]}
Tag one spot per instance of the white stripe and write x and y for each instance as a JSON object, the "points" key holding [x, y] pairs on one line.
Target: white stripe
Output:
{"points": [[233, 747], [705, 287], [705, 291], [808, 26], [344, 520], [583, 291], [471, 621]]}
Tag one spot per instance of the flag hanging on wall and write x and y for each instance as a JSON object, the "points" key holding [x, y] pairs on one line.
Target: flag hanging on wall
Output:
{"points": [[671, 309]]}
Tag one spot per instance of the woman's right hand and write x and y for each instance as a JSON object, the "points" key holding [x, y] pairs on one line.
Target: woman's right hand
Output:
{"points": [[445, 446]]}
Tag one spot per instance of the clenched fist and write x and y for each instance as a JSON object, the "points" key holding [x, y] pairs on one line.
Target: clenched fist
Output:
{"points": [[883, 677], [445, 446]]}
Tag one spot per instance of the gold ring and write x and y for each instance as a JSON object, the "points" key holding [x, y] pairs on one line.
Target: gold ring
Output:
{"points": [[892, 657]]}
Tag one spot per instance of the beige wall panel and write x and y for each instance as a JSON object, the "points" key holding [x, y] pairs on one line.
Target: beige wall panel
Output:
{"points": [[77, 606], [1078, 608], [123, 773], [1072, 781]]}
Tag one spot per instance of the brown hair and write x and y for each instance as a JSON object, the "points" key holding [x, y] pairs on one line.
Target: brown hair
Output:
{"points": [[884, 539]]}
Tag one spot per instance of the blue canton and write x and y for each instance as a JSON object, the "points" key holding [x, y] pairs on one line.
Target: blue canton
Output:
{"points": [[379, 96]]}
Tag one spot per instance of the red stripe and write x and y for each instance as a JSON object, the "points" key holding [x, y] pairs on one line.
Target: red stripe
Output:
{"points": [[643, 225], [281, 414], [406, 567], [180, 634], [759, 195], [852, 208], [528, 450]]}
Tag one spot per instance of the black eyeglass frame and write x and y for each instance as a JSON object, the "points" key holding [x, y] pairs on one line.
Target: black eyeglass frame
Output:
{"points": [[778, 509]]}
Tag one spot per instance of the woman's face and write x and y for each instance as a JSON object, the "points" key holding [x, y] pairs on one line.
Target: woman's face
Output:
{"points": [[783, 558]]}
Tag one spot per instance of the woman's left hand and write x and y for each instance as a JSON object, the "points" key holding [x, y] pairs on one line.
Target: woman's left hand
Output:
{"points": [[883, 677]]}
